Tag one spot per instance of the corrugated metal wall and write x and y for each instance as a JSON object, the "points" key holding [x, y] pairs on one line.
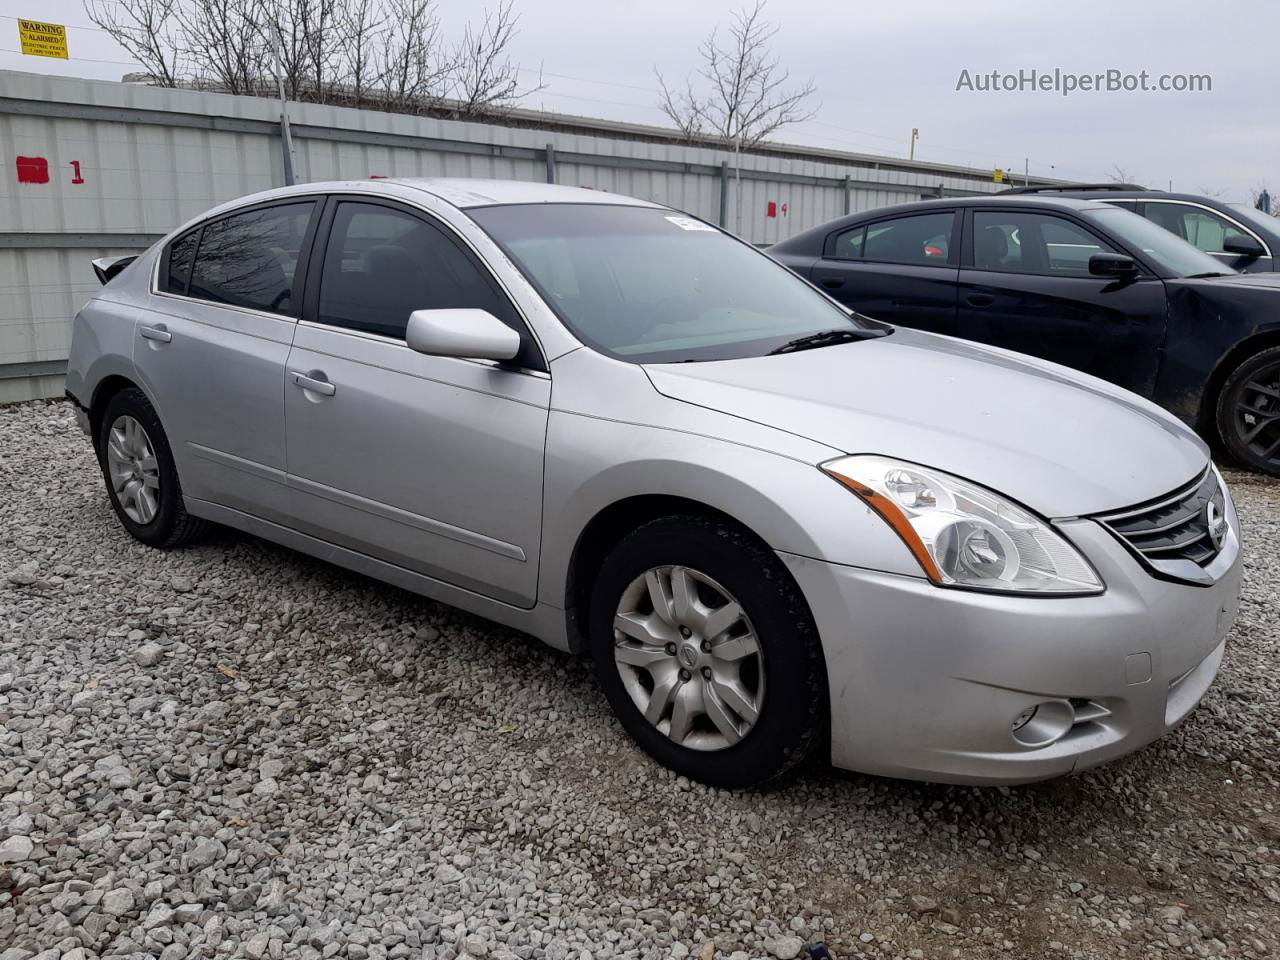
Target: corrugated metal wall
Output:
{"points": [[128, 163]]}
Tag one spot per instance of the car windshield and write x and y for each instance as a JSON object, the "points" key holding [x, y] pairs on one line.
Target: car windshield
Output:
{"points": [[649, 285], [1168, 251], [1255, 218]]}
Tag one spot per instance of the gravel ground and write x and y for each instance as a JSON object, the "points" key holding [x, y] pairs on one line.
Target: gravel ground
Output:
{"points": [[233, 750]]}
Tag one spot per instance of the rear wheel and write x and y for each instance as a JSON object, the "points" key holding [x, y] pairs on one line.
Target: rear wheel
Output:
{"points": [[707, 653], [1249, 412], [142, 481]]}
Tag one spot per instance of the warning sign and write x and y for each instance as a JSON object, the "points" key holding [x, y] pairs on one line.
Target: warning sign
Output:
{"points": [[43, 39]]}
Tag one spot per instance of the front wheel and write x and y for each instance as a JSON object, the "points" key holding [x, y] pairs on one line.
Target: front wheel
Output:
{"points": [[1249, 412], [707, 652]]}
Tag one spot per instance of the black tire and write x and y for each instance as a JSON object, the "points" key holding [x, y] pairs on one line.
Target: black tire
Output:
{"points": [[792, 722], [1253, 438], [171, 526]]}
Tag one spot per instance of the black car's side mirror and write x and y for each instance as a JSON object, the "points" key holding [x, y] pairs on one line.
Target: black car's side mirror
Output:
{"points": [[1112, 265], [1243, 245]]}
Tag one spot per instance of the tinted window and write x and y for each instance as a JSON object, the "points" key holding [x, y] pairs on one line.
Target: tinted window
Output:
{"points": [[924, 239], [649, 285], [1033, 243], [1199, 227], [849, 244], [249, 259], [181, 252], [381, 264], [1167, 252]]}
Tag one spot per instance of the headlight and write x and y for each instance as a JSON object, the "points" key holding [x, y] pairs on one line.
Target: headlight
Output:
{"points": [[964, 535]]}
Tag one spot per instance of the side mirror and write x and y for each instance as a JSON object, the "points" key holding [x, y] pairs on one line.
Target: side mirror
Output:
{"points": [[1112, 265], [466, 333], [1243, 245]]}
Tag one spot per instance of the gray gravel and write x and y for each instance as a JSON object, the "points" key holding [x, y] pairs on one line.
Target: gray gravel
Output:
{"points": [[232, 750]]}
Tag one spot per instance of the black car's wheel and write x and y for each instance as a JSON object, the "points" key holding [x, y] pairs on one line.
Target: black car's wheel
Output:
{"points": [[1249, 412], [138, 468], [707, 652]]}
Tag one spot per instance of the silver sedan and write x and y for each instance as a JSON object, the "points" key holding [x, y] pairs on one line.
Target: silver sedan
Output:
{"points": [[783, 531]]}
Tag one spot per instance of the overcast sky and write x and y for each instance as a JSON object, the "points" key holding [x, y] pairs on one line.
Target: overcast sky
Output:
{"points": [[882, 68]]}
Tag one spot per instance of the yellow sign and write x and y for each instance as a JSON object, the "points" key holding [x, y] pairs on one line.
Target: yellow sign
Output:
{"points": [[43, 39], [999, 177]]}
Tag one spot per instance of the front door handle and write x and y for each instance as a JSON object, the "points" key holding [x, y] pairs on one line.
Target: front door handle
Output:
{"points": [[157, 333], [980, 299], [832, 283], [322, 387]]}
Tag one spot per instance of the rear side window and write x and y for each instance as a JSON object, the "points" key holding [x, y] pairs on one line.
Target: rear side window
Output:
{"points": [[250, 259], [923, 239], [178, 262], [849, 244]]}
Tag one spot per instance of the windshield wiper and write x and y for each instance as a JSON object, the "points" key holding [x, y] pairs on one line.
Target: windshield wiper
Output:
{"points": [[825, 338], [1206, 275]]}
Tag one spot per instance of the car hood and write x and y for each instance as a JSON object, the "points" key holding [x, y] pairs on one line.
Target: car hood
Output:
{"points": [[1060, 442], [1244, 280]]}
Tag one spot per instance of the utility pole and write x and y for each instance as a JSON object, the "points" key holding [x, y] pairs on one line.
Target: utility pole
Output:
{"points": [[915, 135], [1026, 171], [286, 137]]}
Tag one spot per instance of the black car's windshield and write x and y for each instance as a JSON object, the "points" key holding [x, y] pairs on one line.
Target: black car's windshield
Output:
{"points": [[1173, 255], [652, 286]]}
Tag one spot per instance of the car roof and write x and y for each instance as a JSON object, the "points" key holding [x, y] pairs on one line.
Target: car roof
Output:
{"points": [[462, 192]]}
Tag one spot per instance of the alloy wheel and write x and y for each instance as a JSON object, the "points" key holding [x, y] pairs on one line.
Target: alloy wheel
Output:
{"points": [[689, 657], [134, 470], [1257, 413]]}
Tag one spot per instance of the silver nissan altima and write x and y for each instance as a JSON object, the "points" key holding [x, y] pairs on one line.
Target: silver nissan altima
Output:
{"points": [[782, 532]]}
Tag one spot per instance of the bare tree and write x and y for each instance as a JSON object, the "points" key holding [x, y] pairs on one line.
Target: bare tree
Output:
{"points": [[225, 41], [483, 77], [147, 29], [411, 65], [1119, 174], [748, 95], [360, 28]]}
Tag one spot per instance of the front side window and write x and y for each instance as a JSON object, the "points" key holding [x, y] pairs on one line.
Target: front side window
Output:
{"points": [[250, 259], [1034, 243], [381, 264], [1169, 254], [923, 239], [645, 284], [1201, 228]]}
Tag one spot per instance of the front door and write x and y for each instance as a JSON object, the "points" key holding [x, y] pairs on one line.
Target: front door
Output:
{"points": [[1025, 285], [210, 349], [430, 463]]}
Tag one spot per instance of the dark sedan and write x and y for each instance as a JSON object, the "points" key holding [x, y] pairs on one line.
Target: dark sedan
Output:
{"points": [[1085, 284]]}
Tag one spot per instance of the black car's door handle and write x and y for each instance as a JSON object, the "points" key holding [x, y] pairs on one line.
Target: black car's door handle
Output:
{"points": [[980, 299], [833, 283]]}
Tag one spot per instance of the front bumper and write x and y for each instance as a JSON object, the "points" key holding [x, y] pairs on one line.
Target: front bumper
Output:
{"points": [[926, 682]]}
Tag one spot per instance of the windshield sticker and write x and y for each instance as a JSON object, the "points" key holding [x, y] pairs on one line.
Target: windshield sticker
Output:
{"points": [[688, 223]]}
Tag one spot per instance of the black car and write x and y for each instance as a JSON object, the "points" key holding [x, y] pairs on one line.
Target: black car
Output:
{"points": [[1078, 282], [1235, 234]]}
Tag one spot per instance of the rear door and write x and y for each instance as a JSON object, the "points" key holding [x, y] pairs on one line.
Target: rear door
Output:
{"points": [[900, 269], [211, 346], [1025, 285], [430, 463]]}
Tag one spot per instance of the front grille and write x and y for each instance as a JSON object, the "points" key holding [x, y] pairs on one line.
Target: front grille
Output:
{"points": [[1175, 527]]}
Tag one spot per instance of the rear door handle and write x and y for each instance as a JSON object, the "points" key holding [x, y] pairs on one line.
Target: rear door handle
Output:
{"points": [[322, 387], [157, 333], [980, 299], [832, 283]]}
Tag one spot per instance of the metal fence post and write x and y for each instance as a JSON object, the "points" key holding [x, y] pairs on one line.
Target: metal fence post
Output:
{"points": [[551, 163], [847, 178], [724, 192]]}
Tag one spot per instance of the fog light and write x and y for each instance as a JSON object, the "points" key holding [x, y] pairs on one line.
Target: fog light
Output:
{"points": [[1043, 723]]}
